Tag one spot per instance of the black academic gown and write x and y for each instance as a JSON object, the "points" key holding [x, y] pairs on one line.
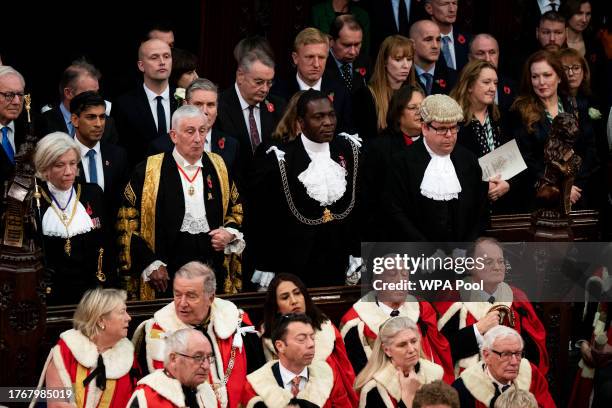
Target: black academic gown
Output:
{"points": [[414, 217], [318, 254]]}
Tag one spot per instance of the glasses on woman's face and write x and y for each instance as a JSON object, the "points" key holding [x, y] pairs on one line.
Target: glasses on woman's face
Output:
{"points": [[575, 69]]}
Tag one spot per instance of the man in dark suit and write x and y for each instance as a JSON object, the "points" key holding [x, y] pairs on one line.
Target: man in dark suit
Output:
{"points": [[435, 77], [346, 63], [454, 43], [12, 86], [203, 94], [143, 113], [435, 190], [101, 163], [310, 52], [79, 77], [246, 111], [485, 47], [389, 17]]}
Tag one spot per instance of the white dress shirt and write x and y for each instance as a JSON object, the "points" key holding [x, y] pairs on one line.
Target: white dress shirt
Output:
{"points": [[85, 161], [11, 134], [288, 376], [386, 309], [545, 5], [304, 86], [395, 7], [208, 141], [151, 97], [451, 47], [245, 112]]}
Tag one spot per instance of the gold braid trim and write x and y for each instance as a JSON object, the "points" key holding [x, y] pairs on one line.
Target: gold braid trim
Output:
{"points": [[221, 170]]}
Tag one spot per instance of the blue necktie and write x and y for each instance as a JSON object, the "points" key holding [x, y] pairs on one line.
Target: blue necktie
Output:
{"points": [[6, 144], [428, 78], [71, 129], [93, 171], [447, 52], [161, 117]]}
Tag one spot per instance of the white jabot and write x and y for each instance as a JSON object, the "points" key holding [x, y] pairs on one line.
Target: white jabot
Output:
{"points": [[194, 220], [324, 179], [440, 180], [52, 225], [304, 86]]}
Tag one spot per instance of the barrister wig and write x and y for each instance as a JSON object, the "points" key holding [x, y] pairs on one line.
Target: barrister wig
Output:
{"points": [[271, 313], [441, 108]]}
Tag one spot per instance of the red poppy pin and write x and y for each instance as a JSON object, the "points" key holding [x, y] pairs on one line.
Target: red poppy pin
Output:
{"points": [[331, 97], [507, 90], [342, 161], [442, 83], [461, 39], [89, 210], [269, 106], [221, 143], [593, 57], [209, 181], [362, 71]]}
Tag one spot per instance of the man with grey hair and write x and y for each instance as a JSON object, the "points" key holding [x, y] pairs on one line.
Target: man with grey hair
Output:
{"points": [[12, 134], [183, 381], [203, 94], [177, 208], [435, 189], [235, 342], [503, 368]]}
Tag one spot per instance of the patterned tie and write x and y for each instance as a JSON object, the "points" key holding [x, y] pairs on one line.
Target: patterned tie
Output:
{"points": [[427, 78], [93, 170], [395, 313], [161, 117], [255, 140], [6, 145], [295, 386], [346, 75], [447, 52]]}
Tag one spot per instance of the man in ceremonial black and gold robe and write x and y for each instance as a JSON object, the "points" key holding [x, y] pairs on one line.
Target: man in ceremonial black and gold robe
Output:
{"points": [[178, 208], [303, 201]]}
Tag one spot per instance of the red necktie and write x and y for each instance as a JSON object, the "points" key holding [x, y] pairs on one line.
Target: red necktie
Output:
{"points": [[295, 386]]}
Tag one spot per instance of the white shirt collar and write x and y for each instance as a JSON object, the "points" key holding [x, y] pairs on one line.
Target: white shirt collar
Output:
{"points": [[288, 376], [208, 141], [84, 149], [60, 195], [243, 103], [304, 86], [544, 5], [181, 161], [386, 309], [10, 125], [314, 147], [449, 35], [152, 95]]}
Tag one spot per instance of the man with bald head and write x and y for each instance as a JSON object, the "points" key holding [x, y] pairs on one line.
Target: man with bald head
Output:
{"points": [[435, 78], [143, 113], [484, 47]]}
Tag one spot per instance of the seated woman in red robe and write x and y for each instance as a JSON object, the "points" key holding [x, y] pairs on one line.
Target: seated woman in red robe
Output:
{"points": [[288, 294]]}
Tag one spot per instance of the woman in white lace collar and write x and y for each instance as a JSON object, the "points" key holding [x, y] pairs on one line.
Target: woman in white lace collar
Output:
{"points": [[70, 220]]}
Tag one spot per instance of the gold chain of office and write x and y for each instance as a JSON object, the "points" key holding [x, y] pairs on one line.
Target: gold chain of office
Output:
{"points": [[327, 214]]}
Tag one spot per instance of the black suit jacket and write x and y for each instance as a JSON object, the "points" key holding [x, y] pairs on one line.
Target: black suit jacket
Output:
{"points": [[53, 121], [135, 122], [415, 217], [361, 72], [225, 146], [335, 90], [506, 92], [444, 79], [461, 42], [116, 174], [7, 168]]}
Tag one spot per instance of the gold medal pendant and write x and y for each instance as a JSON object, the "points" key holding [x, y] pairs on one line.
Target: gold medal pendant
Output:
{"points": [[327, 215], [67, 247], [64, 216], [191, 190]]}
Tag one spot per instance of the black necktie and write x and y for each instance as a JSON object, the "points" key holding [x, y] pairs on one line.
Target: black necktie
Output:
{"points": [[190, 397], [395, 313], [402, 18], [99, 374], [161, 117], [491, 299]]}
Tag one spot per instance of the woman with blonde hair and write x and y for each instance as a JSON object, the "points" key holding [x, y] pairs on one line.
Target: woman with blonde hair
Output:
{"points": [[288, 127], [392, 70], [395, 370], [94, 359]]}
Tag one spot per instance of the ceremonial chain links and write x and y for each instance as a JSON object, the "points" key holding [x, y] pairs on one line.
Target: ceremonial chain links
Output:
{"points": [[327, 215]]}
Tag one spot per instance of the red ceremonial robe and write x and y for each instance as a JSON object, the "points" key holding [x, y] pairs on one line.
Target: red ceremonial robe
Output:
{"points": [[364, 320], [225, 320]]}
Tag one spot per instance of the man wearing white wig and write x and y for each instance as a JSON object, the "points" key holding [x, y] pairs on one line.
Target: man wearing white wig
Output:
{"points": [[435, 189]]}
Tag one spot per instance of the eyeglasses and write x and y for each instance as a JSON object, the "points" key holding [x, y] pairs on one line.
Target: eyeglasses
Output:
{"points": [[261, 82], [507, 355], [9, 96], [198, 358], [572, 68], [443, 131]]}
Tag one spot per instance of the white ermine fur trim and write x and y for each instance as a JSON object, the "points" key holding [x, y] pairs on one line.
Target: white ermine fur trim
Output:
{"points": [[387, 376], [138, 395], [373, 316], [317, 390], [167, 387], [481, 386], [224, 317], [450, 312], [480, 309]]}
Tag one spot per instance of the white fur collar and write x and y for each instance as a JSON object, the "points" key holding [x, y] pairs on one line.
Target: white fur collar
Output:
{"points": [[480, 309], [118, 360], [373, 316], [325, 342], [481, 387], [171, 389], [224, 318], [387, 376], [317, 389]]}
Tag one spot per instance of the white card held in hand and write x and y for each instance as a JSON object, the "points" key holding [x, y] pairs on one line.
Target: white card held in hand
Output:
{"points": [[506, 161]]}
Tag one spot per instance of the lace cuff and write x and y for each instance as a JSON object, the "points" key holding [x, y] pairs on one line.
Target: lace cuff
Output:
{"points": [[263, 279], [150, 269], [237, 245]]}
